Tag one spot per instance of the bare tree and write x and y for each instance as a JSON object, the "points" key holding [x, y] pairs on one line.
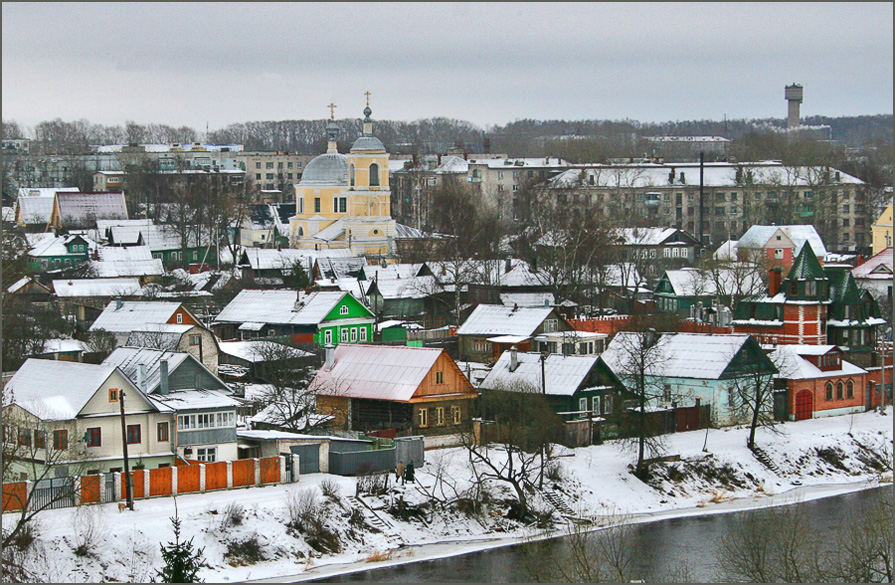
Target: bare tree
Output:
{"points": [[753, 388], [514, 447]]}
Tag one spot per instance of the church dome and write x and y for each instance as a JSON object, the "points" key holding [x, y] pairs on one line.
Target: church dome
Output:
{"points": [[328, 168], [367, 143]]}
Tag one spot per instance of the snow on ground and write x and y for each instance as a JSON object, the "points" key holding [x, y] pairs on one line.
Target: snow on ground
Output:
{"points": [[824, 456]]}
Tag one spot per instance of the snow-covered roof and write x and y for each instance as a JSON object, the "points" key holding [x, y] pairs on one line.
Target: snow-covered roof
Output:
{"points": [[377, 372], [156, 237], [164, 336], [676, 139], [758, 236], [793, 366], [726, 251], [126, 261], [256, 351], [270, 259], [48, 192], [280, 307], [81, 210], [417, 287], [452, 164], [133, 314], [527, 299], [719, 174], [35, 210], [129, 358], [37, 387], [182, 400], [63, 346], [677, 355], [173, 147], [877, 267], [690, 282], [97, 287], [515, 163], [563, 374], [648, 236], [47, 244], [502, 320]]}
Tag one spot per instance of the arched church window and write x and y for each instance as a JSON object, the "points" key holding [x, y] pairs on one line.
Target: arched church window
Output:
{"points": [[301, 232], [374, 175], [351, 176]]}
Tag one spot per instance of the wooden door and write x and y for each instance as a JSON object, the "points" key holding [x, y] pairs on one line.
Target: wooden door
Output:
{"points": [[804, 405]]}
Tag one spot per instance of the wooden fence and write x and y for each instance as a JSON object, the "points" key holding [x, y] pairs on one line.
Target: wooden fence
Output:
{"points": [[166, 481]]}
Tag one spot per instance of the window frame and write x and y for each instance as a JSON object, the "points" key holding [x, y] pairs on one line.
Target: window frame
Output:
{"points": [[163, 432], [113, 394], [456, 414], [439, 416], [60, 439], [93, 436], [423, 418], [134, 434]]}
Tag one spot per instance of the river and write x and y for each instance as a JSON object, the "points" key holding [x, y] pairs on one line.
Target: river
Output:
{"points": [[671, 542]]}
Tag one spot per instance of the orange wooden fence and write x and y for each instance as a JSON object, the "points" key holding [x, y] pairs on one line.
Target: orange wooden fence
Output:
{"points": [[90, 493], [270, 470], [188, 479], [160, 482], [137, 479], [216, 476], [243, 472], [14, 496]]}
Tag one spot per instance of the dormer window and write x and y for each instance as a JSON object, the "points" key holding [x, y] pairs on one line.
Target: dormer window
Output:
{"points": [[811, 288], [794, 288], [343, 310]]}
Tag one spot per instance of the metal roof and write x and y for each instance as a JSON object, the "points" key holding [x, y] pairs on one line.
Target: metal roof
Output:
{"points": [[81, 210], [330, 168], [98, 287], [377, 372], [563, 374], [133, 314], [280, 307], [501, 320]]}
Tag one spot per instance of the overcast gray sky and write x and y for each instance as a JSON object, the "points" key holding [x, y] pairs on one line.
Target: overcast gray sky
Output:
{"points": [[192, 64]]}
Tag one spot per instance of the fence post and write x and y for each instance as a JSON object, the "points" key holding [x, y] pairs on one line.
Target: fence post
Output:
{"points": [[76, 486], [229, 475], [296, 460], [282, 469], [173, 480], [201, 478], [257, 471], [146, 483], [117, 484], [102, 488]]}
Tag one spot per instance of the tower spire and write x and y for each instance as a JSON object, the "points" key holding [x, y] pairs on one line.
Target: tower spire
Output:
{"points": [[368, 122], [332, 130]]}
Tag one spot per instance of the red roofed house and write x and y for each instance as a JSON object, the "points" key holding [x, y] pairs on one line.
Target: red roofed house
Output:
{"points": [[410, 390]]}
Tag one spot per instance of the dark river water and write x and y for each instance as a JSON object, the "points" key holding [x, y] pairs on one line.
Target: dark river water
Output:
{"points": [[669, 542]]}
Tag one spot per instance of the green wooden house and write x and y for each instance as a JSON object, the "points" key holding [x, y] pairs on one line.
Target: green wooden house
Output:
{"points": [[50, 252]]}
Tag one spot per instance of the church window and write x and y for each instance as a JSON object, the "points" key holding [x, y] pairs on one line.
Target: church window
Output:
{"points": [[850, 389], [829, 389], [301, 232], [340, 204], [351, 176], [316, 204], [839, 390], [374, 175]]}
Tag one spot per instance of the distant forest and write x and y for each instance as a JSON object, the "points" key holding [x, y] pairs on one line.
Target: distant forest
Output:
{"points": [[438, 135]]}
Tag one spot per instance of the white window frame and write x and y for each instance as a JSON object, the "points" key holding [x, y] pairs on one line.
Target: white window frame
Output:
{"points": [[423, 417], [353, 334], [343, 310], [363, 333], [328, 336], [344, 335]]}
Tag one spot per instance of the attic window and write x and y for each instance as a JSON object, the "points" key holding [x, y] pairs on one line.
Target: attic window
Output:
{"points": [[113, 394], [343, 310], [179, 318]]}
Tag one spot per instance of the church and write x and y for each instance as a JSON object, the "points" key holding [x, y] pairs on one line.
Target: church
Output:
{"points": [[344, 201]]}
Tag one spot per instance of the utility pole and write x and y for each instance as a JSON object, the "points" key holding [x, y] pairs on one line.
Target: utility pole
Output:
{"points": [[544, 392], [127, 472], [701, 199]]}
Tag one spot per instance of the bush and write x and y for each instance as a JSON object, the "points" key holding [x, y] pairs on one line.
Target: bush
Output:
{"points": [[374, 484], [330, 489], [306, 516], [233, 515], [26, 536], [88, 528], [247, 551]]}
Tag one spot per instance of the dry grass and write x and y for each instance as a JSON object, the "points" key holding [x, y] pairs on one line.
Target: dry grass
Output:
{"points": [[718, 497], [379, 556]]}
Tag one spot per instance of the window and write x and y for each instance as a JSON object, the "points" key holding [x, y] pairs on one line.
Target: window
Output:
{"points": [[439, 377], [162, 434], [343, 310], [794, 288], [439, 416], [60, 440], [300, 205], [595, 403], [289, 175], [40, 439], [94, 437], [344, 335], [850, 389], [731, 397], [195, 340], [113, 394], [207, 454], [582, 405], [269, 176], [24, 437], [455, 414], [268, 165], [550, 325], [374, 175], [340, 204], [353, 334], [257, 165], [179, 318], [316, 204], [423, 417], [778, 254], [811, 288], [351, 176], [363, 333], [839, 390], [289, 164], [328, 336], [257, 176], [280, 165], [666, 393], [845, 223], [133, 435]]}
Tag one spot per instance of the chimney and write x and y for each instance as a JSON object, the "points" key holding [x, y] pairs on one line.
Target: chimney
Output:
{"points": [[507, 265], [514, 359], [775, 278], [163, 388], [141, 377], [486, 145], [671, 176], [118, 304], [330, 357]]}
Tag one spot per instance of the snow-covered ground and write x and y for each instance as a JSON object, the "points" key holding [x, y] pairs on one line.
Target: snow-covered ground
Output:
{"points": [[813, 458]]}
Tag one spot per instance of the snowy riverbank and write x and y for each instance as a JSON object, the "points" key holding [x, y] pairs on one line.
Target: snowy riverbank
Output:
{"points": [[811, 459]]}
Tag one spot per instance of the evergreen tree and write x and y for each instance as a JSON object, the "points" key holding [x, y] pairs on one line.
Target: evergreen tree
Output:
{"points": [[182, 563]]}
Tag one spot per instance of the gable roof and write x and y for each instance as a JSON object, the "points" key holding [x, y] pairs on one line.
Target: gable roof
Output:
{"points": [[164, 336], [758, 236], [81, 210], [36, 387], [563, 374], [48, 244], [689, 282], [255, 350], [35, 210], [793, 366], [97, 287], [877, 267], [280, 307], [503, 320], [133, 314], [806, 266], [128, 359], [679, 355], [654, 236], [377, 372]]}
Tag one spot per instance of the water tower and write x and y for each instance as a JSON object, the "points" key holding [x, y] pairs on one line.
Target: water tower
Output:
{"points": [[794, 97]]}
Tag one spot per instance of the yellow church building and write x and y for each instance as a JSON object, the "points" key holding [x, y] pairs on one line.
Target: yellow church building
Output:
{"points": [[882, 231], [344, 201]]}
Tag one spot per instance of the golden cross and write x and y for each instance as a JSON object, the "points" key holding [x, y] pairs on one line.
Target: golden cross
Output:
{"points": [[332, 111], [368, 98]]}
